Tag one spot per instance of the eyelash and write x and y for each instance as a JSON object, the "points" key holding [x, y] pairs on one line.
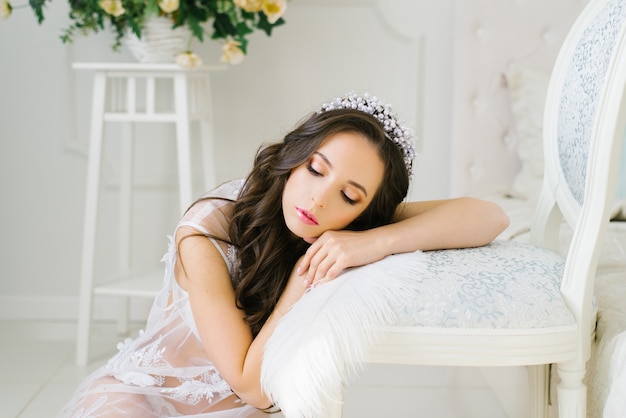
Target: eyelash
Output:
{"points": [[313, 171], [316, 173], [348, 200]]}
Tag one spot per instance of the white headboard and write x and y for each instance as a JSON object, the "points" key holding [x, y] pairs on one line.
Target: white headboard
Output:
{"points": [[492, 37]]}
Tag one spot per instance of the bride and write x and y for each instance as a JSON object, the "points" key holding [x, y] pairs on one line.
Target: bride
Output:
{"points": [[326, 198]]}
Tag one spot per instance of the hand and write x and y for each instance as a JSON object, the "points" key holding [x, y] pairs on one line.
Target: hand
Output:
{"points": [[335, 251]]}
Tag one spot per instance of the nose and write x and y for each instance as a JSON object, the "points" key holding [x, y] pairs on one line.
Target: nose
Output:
{"points": [[320, 197], [317, 202]]}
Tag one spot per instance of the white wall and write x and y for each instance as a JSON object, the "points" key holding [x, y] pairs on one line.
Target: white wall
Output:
{"points": [[399, 50]]}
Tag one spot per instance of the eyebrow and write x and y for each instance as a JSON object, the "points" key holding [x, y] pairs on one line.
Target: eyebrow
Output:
{"points": [[352, 182]]}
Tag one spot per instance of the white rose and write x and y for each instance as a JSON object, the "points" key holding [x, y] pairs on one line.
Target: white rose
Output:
{"points": [[5, 9], [274, 9], [188, 60], [112, 7], [231, 53], [169, 6], [250, 5]]}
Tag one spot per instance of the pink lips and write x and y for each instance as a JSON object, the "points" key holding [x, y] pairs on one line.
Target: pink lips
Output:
{"points": [[306, 216]]}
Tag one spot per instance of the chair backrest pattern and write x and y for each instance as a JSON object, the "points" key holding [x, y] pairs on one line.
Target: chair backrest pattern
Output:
{"points": [[581, 89]]}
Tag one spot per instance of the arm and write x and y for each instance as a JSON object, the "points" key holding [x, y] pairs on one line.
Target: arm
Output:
{"points": [[429, 225], [225, 335], [444, 224]]}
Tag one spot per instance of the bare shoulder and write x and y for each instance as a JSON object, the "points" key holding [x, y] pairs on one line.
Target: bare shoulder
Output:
{"points": [[200, 265]]}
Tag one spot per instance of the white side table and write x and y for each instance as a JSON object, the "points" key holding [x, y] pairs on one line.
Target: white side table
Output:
{"points": [[115, 99]]}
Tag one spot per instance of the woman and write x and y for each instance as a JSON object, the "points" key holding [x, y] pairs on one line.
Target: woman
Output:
{"points": [[327, 198]]}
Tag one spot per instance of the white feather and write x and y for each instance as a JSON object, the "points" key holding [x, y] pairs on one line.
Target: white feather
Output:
{"points": [[322, 341]]}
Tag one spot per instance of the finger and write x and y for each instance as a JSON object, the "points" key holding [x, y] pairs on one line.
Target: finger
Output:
{"points": [[319, 252], [314, 244], [322, 270], [318, 283], [305, 262], [333, 272], [315, 271], [336, 269]]}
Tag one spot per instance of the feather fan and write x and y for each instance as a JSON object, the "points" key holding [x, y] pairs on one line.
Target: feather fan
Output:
{"points": [[321, 343]]}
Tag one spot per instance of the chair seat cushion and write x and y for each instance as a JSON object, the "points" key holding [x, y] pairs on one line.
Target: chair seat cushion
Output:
{"points": [[506, 284]]}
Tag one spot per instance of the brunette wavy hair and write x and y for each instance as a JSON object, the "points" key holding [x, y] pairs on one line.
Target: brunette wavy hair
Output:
{"points": [[267, 250]]}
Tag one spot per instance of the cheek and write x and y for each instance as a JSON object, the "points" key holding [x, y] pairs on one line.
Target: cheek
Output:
{"points": [[345, 217], [287, 192], [291, 185], [352, 213]]}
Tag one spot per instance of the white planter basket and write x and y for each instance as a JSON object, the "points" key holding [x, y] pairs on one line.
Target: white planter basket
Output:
{"points": [[159, 43]]}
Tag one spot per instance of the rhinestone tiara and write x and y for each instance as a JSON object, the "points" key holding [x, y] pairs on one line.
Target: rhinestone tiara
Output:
{"points": [[382, 112]]}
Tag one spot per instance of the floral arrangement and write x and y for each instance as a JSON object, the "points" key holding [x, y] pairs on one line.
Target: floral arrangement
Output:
{"points": [[228, 20]]}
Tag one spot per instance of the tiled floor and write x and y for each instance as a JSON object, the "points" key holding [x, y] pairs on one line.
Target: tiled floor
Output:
{"points": [[38, 370], [38, 375]]}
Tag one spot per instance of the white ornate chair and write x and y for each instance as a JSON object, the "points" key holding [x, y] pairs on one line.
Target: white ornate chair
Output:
{"points": [[512, 303]]}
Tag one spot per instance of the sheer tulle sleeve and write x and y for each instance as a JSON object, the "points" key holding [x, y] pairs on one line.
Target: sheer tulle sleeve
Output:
{"points": [[211, 216]]}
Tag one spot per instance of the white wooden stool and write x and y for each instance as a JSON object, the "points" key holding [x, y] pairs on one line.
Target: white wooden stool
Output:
{"points": [[191, 102]]}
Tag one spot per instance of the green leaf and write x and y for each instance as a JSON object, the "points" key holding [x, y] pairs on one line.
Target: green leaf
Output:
{"points": [[152, 8], [243, 44], [195, 27], [224, 6], [243, 29], [223, 27], [134, 24], [247, 15], [266, 26], [37, 6]]}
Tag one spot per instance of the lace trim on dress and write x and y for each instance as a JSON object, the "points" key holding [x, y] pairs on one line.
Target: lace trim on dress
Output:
{"points": [[192, 391], [233, 262], [130, 359]]}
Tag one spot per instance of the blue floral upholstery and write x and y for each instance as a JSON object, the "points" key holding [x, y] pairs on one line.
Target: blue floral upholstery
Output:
{"points": [[506, 284], [580, 93]]}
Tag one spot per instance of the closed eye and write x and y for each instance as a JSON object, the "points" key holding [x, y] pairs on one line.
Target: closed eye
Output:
{"points": [[347, 199], [312, 170], [344, 196]]}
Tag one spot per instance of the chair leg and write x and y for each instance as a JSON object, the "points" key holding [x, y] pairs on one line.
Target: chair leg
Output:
{"points": [[571, 391], [538, 383]]}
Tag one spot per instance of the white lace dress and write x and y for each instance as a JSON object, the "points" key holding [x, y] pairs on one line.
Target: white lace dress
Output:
{"points": [[165, 372]]}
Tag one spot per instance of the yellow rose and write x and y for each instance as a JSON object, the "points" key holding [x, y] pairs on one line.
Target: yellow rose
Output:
{"points": [[250, 5], [188, 60], [112, 7], [274, 9], [231, 53], [169, 6], [5, 9]]}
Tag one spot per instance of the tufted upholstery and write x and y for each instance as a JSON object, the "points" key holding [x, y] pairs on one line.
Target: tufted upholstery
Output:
{"points": [[493, 37]]}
